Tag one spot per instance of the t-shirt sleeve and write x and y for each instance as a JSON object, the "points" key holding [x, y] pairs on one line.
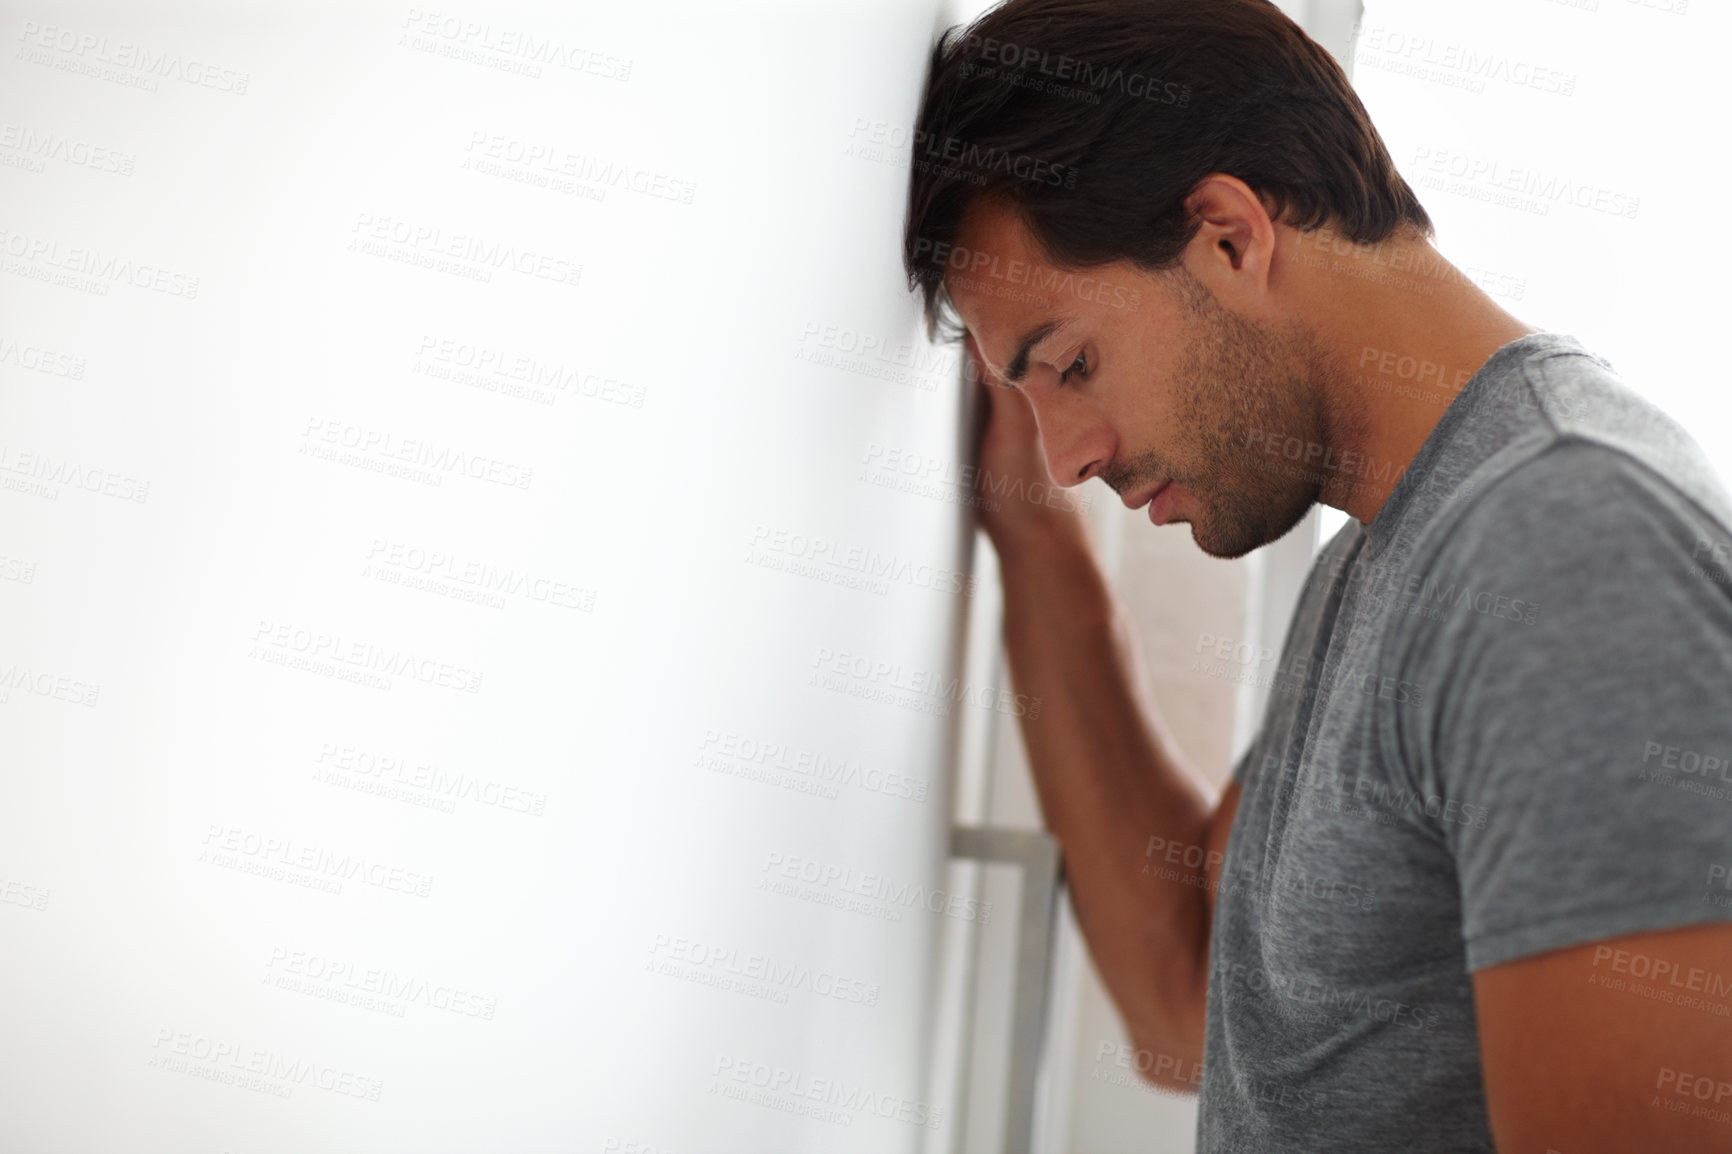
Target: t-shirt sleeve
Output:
{"points": [[1578, 705]]}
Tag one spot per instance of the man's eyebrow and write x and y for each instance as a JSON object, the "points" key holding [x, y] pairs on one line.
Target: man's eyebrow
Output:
{"points": [[1019, 363]]}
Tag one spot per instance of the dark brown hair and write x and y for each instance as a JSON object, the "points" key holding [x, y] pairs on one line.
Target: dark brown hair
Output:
{"points": [[1095, 119]]}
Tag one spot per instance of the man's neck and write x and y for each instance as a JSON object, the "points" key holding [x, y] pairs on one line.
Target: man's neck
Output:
{"points": [[1399, 356]]}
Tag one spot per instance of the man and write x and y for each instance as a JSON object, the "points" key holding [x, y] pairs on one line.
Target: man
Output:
{"points": [[1469, 886]]}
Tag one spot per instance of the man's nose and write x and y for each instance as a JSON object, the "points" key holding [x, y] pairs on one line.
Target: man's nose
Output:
{"points": [[1076, 446]]}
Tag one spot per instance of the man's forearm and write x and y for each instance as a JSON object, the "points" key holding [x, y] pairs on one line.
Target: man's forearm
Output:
{"points": [[1109, 780]]}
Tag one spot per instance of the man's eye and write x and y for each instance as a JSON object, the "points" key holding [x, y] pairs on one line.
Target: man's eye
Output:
{"points": [[1074, 368]]}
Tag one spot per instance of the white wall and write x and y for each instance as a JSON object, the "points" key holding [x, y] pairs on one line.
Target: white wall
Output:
{"points": [[527, 891]]}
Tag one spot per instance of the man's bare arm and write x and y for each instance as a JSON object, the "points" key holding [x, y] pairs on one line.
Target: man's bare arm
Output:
{"points": [[1114, 793], [1581, 1059], [1110, 782]]}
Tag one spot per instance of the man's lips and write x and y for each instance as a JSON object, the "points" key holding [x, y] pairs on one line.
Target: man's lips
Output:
{"points": [[1161, 503], [1147, 495]]}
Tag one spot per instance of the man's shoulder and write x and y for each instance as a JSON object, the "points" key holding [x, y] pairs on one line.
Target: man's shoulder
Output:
{"points": [[1584, 483], [1586, 527], [1596, 455], [1588, 405]]}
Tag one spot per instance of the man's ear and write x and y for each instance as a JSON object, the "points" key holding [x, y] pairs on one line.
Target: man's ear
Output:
{"points": [[1235, 240]]}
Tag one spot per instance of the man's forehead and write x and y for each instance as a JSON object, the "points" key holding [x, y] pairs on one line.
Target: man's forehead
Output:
{"points": [[991, 223], [991, 249], [990, 278], [1005, 342]]}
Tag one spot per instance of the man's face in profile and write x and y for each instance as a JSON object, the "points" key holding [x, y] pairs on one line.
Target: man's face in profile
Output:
{"points": [[1159, 383]]}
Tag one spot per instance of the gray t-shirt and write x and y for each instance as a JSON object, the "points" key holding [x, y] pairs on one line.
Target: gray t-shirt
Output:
{"points": [[1501, 724]]}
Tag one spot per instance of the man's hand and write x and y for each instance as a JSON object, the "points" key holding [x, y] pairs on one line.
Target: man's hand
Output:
{"points": [[1015, 491]]}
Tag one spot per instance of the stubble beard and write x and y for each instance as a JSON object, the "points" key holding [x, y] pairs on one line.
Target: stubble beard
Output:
{"points": [[1244, 386]]}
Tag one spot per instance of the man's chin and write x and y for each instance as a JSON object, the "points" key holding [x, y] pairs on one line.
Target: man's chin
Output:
{"points": [[1230, 542], [1222, 550]]}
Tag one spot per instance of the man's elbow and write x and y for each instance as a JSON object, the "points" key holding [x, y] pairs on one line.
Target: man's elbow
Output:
{"points": [[1166, 1027], [1172, 1068]]}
